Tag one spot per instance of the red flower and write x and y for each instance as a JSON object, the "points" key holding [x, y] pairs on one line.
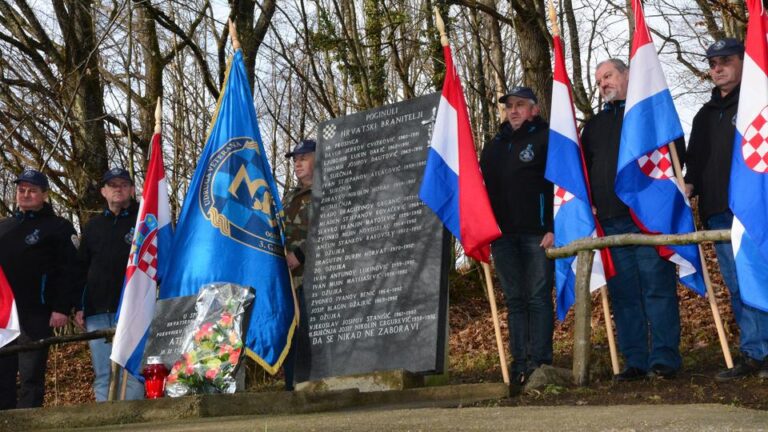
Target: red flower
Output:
{"points": [[212, 373], [206, 330], [226, 319], [234, 356]]}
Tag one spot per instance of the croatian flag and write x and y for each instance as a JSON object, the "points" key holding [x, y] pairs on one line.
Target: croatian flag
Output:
{"points": [[453, 186], [565, 168], [645, 179], [749, 167], [150, 245], [9, 318]]}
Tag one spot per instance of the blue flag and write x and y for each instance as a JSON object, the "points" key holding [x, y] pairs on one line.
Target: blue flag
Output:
{"points": [[229, 229]]}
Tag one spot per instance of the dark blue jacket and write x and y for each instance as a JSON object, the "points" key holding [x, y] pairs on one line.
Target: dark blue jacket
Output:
{"points": [[37, 254], [513, 166]]}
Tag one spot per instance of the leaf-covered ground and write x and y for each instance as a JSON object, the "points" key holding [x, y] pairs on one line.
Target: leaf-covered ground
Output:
{"points": [[473, 358]]}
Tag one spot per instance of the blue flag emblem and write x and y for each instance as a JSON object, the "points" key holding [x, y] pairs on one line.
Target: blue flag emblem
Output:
{"points": [[237, 199]]}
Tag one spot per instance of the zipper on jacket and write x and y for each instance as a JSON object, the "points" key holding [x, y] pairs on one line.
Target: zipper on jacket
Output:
{"points": [[42, 288], [541, 209]]}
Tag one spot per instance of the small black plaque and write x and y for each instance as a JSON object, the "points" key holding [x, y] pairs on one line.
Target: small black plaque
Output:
{"points": [[169, 325]]}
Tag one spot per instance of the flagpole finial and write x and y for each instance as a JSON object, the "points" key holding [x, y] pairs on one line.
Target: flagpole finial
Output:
{"points": [[159, 115], [233, 35], [553, 18], [441, 27]]}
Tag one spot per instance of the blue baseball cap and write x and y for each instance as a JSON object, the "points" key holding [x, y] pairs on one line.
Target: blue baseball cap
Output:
{"points": [[725, 47], [303, 147], [521, 92], [33, 177], [114, 173]]}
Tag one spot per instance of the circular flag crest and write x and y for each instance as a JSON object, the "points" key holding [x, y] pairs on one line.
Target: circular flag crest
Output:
{"points": [[236, 198], [754, 147], [657, 164]]}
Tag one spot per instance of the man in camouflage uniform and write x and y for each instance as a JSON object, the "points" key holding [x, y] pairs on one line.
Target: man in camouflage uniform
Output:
{"points": [[296, 205]]}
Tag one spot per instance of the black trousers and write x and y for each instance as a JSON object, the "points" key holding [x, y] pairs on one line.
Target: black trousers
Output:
{"points": [[30, 367]]}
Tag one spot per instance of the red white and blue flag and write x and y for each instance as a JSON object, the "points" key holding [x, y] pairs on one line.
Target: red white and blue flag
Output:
{"points": [[9, 317], [151, 242], [572, 208], [645, 178], [749, 167], [453, 186]]}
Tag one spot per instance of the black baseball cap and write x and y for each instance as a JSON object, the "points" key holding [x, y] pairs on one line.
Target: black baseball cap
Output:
{"points": [[33, 177], [725, 47], [521, 92], [303, 147], [114, 173]]}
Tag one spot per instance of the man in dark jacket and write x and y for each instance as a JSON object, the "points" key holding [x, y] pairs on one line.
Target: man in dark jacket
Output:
{"points": [[37, 255], [513, 166], [644, 290], [708, 176], [102, 258]]}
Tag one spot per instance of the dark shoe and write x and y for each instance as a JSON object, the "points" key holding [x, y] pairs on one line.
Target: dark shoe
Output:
{"points": [[764, 371], [746, 367], [662, 371], [630, 374]]}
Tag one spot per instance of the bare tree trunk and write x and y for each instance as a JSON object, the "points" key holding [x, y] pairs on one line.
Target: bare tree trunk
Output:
{"points": [[533, 41]]}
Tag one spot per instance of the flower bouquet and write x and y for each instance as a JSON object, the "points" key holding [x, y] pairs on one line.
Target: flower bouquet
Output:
{"points": [[212, 348]]}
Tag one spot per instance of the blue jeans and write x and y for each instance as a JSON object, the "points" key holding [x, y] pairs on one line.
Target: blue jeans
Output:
{"points": [[753, 323], [644, 300], [100, 351], [527, 278]]}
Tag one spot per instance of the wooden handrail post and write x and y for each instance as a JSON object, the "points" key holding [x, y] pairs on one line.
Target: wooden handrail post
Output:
{"points": [[582, 329]]}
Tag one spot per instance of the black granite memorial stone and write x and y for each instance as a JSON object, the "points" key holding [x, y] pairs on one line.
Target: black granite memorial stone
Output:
{"points": [[375, 285]]}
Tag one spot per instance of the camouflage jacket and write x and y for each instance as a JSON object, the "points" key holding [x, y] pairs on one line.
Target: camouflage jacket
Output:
{"points": [[296, 204]]}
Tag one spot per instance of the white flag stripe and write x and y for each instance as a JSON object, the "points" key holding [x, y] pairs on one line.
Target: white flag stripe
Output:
{"points": [[562, 119], [445, 134], [644, 64], [750, 107]]}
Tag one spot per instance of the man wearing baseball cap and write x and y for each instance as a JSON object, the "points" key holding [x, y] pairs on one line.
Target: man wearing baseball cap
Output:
{"points": [[708, 176], [102, 258], [37, 256], [513, 166], [296, 204]]}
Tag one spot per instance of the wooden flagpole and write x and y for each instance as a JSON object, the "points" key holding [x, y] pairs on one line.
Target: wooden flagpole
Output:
{"points": [[496, 326], [486, 268], [609, 330], [707, 280], [233, 35]]}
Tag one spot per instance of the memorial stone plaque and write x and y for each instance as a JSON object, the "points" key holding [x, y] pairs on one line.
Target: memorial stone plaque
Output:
{"points": [[375, 286], [170, 321]]}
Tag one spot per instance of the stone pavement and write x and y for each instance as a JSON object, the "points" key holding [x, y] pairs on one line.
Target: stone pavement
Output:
{"points": [[565, 418], [439, 408]]}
